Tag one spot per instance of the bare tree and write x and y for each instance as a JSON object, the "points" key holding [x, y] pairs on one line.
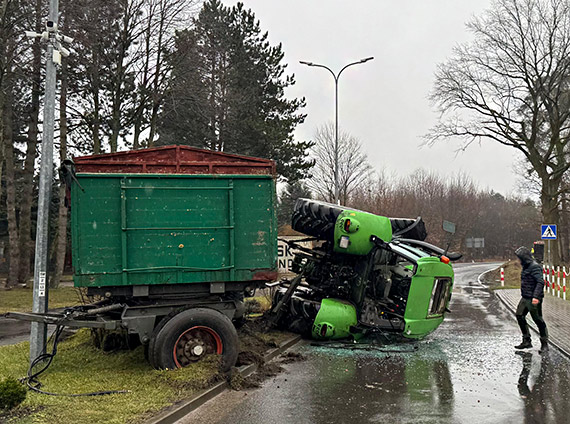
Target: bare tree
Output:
{"points": [[161, 19], [353, 166], [25, 216], [504, 223], [510, 85], [60, 244]]}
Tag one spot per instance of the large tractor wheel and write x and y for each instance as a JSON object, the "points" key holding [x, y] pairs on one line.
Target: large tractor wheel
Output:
{"points": [[315, 218], [191, 335], [318, 219]]}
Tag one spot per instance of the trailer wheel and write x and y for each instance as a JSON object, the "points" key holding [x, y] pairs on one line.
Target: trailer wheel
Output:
{"points": [[192, 334]]}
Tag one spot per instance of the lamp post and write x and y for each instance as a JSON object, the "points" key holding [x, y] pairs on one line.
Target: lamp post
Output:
{"points": [[336, 78]]}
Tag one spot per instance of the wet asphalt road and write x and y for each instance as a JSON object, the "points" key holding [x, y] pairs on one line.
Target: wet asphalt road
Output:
{"points": [[466, 372], [13, 331]]}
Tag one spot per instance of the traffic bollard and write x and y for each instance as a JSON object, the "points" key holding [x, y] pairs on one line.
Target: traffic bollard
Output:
{"points": [[502, 277]]}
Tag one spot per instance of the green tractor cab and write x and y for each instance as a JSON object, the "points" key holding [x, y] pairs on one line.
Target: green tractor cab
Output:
{"points": [[366, 273]]}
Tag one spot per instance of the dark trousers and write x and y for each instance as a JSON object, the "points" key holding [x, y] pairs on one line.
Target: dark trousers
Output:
{"points": [[525, 306]]}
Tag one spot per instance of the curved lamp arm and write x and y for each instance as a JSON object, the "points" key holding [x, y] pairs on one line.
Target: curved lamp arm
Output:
{"points": [[354, 63], [335, 76]]}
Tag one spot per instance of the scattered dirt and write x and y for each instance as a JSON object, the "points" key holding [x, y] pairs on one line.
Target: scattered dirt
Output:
{"points": [[257, 337], [235, 380], [249, 357], [290, 357], [263, 373], [253, 307], [269, 370]]}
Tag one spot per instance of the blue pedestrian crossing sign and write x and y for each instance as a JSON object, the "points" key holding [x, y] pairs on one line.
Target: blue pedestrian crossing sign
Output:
{"points": [[548, 232]]}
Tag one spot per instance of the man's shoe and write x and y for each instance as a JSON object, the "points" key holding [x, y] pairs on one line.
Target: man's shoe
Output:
{"points": [[526, 344], [543, 348]]}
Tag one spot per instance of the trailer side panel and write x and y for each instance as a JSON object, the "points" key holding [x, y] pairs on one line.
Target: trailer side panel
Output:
{"points": [[146, 229]]}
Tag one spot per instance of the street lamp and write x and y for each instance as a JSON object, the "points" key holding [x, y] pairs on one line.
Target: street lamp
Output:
{"points": [[336, 77]]}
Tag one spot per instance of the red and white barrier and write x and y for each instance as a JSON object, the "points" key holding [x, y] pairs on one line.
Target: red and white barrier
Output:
{"points": [[555, 280], [558, 281], [502, 277], [564, 282]]}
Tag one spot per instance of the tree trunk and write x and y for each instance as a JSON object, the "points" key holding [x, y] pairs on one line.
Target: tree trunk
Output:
{"points": [[550, 214], [119, 79], [61, 248], [139, 114], [95, 83], [153, 123], [138, 127], [564, 243], [28, 172], [156, 86], [2, 139], [13, 240]]}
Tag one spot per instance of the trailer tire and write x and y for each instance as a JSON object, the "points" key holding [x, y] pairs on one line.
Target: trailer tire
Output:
{"points": [[192, 334], [149, 352]]}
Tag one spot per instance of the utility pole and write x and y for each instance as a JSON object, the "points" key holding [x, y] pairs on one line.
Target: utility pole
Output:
{"points": [[336, 77], [38, 334]]}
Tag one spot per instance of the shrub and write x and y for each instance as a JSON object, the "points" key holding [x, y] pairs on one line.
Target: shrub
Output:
{"points": [[12, 393]]}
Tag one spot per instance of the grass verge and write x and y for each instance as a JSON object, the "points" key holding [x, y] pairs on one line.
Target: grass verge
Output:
{"points": [[79, 367], [512, 276], [20, 300]]}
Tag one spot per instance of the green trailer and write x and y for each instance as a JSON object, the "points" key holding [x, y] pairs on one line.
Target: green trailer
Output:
{"points": [[134, 232], [170, 240]]}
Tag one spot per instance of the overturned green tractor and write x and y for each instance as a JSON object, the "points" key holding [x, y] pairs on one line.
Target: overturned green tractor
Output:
{"points": [[365, 274]]}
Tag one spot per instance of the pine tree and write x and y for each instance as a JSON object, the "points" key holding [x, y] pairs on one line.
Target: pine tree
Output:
{"points": [[287, 199], [227, 91]]}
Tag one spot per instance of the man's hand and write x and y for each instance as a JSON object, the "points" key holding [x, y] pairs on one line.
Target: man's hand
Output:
{"points": [[535, 301]]}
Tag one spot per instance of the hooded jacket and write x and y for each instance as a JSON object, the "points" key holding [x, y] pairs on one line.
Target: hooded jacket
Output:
{"points": [[532, 281]]}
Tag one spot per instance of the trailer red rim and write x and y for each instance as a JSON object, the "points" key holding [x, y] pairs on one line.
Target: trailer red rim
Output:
{"points": [[195, 343]]}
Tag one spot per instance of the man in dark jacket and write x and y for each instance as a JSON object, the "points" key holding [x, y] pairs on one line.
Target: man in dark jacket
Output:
{"points": [[532, 294]]}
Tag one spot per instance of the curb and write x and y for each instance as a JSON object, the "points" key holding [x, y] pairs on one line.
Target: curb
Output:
{"points": [[483, 273], [531, 326], [177, 412]]}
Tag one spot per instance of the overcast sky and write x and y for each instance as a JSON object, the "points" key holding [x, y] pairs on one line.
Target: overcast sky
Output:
{"points": [[382, 102]]}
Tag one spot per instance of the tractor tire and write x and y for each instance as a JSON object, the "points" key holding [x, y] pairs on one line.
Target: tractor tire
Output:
{"points": [[409, 228], [315, 218], [190, 335]]}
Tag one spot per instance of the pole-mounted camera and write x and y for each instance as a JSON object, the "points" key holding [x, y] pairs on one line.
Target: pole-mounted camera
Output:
{"points": [[52, 34]]}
